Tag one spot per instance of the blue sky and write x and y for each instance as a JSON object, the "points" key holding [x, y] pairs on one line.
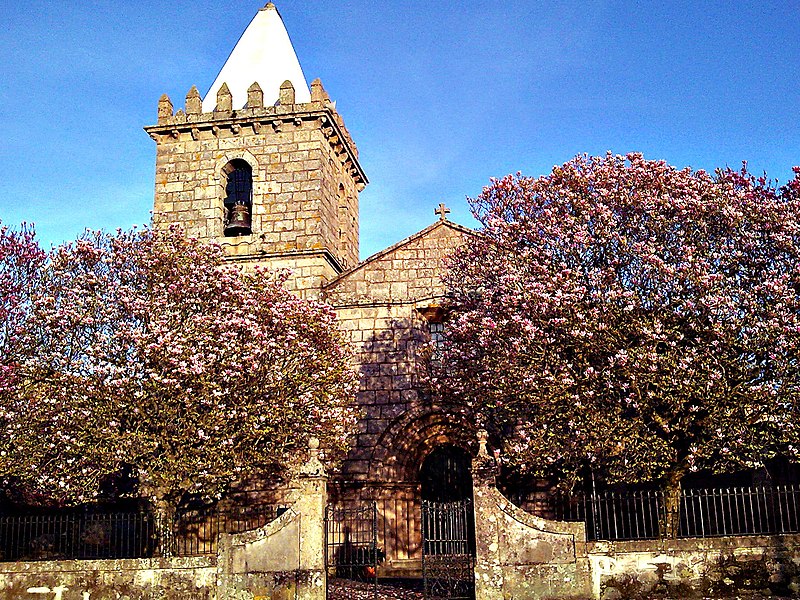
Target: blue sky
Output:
{"points": [[439, 96]]}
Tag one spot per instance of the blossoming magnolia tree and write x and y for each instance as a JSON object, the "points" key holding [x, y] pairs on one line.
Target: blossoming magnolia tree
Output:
{"points": [[144, 352], [630, 316], [21, 259]]}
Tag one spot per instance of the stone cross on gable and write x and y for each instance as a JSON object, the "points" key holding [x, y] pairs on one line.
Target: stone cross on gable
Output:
{"points": [[442, 211]]}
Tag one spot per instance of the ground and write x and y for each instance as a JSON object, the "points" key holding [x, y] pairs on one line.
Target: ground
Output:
{"points": [[345, 589]]}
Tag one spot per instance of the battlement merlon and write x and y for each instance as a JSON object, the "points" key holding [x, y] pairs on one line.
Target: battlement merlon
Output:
{"points": [[192, 124]]}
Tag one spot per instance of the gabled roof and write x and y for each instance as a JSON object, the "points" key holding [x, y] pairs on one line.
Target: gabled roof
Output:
{"points": [[379, 260], [264, 54]]}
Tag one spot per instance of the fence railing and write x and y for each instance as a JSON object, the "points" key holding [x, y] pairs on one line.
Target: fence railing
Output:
{"points": [[351, 541], [83, 535], [632, 515], [740, 511]]}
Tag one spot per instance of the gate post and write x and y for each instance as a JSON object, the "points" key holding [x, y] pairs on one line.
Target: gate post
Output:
{"points": [[312, 500], [488, 568]]}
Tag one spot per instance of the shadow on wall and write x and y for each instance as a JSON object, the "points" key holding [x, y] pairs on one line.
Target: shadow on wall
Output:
{"points": [[391, 358], [402, 420], [401, 424]]}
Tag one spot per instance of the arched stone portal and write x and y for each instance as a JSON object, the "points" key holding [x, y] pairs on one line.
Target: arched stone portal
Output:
{"points": [[410, 439], [417, 449]]}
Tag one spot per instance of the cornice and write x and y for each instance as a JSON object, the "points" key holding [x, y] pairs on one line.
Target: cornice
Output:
{"points": [[225, 124]]}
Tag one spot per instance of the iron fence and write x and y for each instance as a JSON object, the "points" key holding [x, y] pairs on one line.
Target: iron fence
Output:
{"points": [[352, 554], [613, 515], [84, 534], [195, 532], [633, 515], [740, 511], [77, 535], [448, 550]]}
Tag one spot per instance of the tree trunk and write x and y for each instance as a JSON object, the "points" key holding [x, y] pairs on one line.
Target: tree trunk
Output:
{"points": [[164, 509], [165, 520], [670, 519]]}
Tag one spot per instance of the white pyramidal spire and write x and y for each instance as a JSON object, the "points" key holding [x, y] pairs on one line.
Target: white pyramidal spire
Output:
{"points": [[263, 54]]}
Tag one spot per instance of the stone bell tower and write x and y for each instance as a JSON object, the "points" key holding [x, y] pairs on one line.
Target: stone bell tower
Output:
{"points": [[262, 165]]}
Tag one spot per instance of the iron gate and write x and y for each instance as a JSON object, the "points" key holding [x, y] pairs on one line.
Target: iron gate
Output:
{"points": [[448, 550], [351, 551]]}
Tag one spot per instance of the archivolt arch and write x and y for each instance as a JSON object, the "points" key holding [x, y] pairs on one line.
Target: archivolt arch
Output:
{"points": [[404, 445]]}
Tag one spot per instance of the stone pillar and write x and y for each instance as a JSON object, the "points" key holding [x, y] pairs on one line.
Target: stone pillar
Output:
{"points": [[286, 557], [311, 503], [488, 568]]}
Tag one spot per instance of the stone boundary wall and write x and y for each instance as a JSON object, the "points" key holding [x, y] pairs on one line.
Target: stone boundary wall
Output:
{"points": [[163, 578], [520, 555], [283, 559], [726, 567]]}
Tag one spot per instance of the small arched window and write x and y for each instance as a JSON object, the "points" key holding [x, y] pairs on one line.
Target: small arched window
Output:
{"points": [[238, 198], [434, 316]]}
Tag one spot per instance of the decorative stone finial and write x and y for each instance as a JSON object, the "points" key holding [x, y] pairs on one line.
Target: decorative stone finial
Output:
{"points": [[286, 94], [313, 466], [483, 438], [484, 466], [194, 104], [164, 107], [255, 96], [443, 211], [224, 99], [269, 6], [318, 93]]}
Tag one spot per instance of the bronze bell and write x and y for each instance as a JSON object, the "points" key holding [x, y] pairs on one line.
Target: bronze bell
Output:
{"points": [[239, 222]]}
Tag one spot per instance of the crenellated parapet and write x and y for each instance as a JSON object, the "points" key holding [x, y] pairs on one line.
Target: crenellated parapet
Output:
{"points": [[191, 123]]}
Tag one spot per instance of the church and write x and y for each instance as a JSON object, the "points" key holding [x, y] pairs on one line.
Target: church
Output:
{"points": [[265, 166]]}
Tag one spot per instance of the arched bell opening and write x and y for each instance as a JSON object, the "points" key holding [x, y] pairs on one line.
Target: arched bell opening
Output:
{"points": [[238, 200]]}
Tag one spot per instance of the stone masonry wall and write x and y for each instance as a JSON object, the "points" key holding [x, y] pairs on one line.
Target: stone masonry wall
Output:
{"points": [[740, 567], [283, 559], [519, 555], [164, 578], [408, 272], [382, 306], [308, 270]]}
